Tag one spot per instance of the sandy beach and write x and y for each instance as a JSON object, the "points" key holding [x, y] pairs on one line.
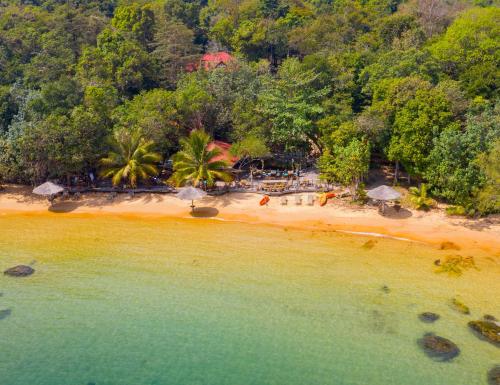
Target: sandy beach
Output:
{"points": [[430, 227]]}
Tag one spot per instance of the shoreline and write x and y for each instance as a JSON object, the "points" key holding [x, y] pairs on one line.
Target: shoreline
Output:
{"points": [[434, 227]]}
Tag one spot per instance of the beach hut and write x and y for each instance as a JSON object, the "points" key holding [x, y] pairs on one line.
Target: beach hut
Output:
{"points": [[49, 190], [383, 194], [191, 194]]}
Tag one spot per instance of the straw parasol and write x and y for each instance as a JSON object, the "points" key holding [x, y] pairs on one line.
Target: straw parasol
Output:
{"points": [[384, 193], [191, 194], [48, 189]]}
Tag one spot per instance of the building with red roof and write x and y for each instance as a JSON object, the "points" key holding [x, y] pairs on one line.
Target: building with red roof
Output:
{"points": [[211, 61], [215, 60], [225, 153]]}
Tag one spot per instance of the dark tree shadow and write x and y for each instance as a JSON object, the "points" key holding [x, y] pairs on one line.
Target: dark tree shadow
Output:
{"points": [[480, 224], [64, 207], [204, 212], [392, 213]]}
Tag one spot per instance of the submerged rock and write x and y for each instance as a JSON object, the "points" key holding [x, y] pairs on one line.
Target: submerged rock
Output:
{"points": [[5, 313], [489, 317], [438, 348], [494, 376], [19, 271], [460, 306], [370, 244], [386, 289], [487, 330], [449, 246], [428, 317]]}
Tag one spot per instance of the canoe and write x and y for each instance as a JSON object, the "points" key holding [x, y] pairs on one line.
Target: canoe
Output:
{"points": [[264, 200], [323, 200]]}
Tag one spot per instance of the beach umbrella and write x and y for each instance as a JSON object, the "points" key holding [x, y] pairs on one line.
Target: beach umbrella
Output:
{"points": [[384, 193], [191, 194], [48, 189]]}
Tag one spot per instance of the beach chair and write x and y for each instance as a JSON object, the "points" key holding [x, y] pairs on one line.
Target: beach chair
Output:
{"points": [[298, 200], [284, 201], [310, 200]]}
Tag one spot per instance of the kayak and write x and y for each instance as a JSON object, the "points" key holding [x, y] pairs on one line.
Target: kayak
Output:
{"points": [[264, 200], [323, 200]]}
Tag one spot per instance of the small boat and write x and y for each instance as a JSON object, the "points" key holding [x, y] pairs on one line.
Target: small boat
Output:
{"points": [[330, 195], [323, 200], [264, 200]]}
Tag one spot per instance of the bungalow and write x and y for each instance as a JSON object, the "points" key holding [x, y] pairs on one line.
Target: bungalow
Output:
{"points": [[210, 61]]}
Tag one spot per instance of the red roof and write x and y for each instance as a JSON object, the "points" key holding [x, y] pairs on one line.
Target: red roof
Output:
{"points": [[225, 153], [215, 59], [210, 61]]}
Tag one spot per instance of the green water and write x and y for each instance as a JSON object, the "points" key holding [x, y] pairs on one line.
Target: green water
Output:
{"points": [[130, 301]]}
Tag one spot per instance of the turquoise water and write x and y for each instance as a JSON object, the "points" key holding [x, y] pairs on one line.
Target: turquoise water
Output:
{"points": [[131, 301]]}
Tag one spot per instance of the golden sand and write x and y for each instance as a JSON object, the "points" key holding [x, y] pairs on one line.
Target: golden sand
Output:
{"points": [[430, 227]]}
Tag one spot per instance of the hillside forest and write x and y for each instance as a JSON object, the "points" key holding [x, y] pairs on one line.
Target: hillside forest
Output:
{"points": [[354, 84]]}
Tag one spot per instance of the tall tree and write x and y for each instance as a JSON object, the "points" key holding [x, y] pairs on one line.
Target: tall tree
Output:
{"points": [[131, 158], [174, 49], [294, 105], [197, 165]]}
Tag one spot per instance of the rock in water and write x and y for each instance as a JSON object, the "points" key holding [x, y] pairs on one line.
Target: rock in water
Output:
{"points": [[19, 271], [460, 306], [489, 317], [438, 348], [5, 313], [494, 376], [428, 317], [487, 330]]}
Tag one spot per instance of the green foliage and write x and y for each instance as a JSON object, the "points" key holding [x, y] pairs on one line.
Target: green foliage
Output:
{"points": [[416, 124], [294, 105], [468, 51], [411, 81], [137, 20], [154, 114], [131, 158], [250, 147], [346, 165], [488, 198], [453, 172], [420, 199], [456, 211], [195, 164], [174, 49]]}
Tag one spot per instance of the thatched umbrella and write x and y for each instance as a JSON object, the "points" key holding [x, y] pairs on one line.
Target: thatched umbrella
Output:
{"points": [[191, 194], [384, 194], [48, 189]]}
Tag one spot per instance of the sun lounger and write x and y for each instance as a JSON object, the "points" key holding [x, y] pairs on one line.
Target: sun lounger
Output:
{"points": [[284, 201], [310, 200], [298, 200]]}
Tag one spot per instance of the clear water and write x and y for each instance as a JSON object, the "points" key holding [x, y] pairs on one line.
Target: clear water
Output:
{"points": [[150, 301]]}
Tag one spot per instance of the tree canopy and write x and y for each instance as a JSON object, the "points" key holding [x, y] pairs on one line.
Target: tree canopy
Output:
{"points": [[413, 82]]}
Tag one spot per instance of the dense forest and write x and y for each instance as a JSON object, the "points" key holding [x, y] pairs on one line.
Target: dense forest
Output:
{"points": [[410, 83]]}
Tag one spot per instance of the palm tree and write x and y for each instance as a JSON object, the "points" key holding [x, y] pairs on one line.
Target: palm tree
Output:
{"points": [[195, 164], [131, 158], [420, 198]]}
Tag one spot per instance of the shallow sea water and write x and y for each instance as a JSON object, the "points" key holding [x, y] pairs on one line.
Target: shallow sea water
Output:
{"points": [[156, 301]]}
